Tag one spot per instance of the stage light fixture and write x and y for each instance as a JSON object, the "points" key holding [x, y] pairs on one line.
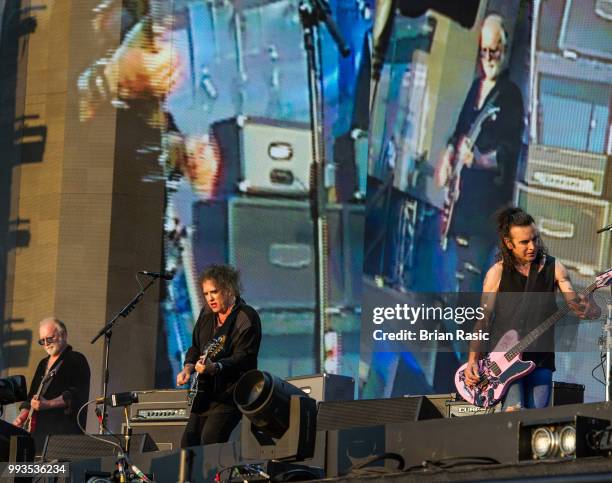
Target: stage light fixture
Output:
{"points": [[279, 420], [13, 389], [566, 438]]}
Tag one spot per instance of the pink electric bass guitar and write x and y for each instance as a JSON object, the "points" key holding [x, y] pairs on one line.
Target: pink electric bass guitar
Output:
{"points": [[499, 368]]}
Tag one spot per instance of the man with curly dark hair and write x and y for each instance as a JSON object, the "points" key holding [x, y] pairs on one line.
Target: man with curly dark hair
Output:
{"points": [[224, 346]]}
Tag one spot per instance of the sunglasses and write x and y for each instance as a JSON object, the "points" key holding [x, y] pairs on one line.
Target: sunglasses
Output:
{"points": [[487, 53], [48, 340]]}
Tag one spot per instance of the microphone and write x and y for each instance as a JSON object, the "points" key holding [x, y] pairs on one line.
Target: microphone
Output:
{"points": [[605, 228], [119, 399], [165, 276]]}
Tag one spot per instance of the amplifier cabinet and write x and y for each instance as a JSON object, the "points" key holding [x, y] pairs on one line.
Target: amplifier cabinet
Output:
{"points": [[160, 405], [325, 387], [569, 171], [166, 434], [276, 156], [271, 243], [568, 224]]}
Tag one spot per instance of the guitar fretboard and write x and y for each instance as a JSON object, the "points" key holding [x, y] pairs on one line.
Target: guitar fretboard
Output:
{"points": [[544, 326]]}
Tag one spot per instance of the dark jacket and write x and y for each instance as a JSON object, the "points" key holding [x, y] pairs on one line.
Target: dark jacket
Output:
{"points": [[483, 191], [241, 336], [71, 382]]}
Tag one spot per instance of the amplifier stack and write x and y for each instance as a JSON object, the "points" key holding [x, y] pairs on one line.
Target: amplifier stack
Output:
{"points": [[162, 414]]}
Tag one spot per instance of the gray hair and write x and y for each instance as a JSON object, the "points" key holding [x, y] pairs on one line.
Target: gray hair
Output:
{"points": [[56, 322]]}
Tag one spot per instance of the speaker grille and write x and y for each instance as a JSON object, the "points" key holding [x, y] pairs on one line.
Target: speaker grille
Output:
{"points": [[373, 412], [68, 447]]}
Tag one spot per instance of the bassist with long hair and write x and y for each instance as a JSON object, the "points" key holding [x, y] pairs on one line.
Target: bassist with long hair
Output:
{"points": [[520, 309]]}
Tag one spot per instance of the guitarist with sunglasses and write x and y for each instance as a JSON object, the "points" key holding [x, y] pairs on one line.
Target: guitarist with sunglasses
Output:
{"points": [[519, 294], [59, 388], [478, 167], [225, 345]]}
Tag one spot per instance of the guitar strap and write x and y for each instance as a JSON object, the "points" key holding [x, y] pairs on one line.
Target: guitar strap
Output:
{"points": [[48, 382]]}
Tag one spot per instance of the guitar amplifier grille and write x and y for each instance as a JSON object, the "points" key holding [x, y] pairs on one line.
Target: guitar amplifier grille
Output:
{"points": [[567, 224]]}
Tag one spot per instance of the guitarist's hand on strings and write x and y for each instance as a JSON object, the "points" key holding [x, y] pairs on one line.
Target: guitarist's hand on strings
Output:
{"points": [[39, 403], [585, 307], [208, 369], [466, 153], [472, 376]]}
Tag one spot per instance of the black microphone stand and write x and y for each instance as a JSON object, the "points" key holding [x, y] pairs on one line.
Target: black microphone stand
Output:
{"points": [[608, 333], [312, 12], [106, 331]]}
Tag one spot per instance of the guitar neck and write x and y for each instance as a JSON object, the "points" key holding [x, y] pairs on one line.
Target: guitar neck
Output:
{"points": [[544, 326]]}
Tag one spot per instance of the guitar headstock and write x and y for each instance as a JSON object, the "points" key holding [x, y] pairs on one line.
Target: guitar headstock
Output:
{"points": [[604, 279]]}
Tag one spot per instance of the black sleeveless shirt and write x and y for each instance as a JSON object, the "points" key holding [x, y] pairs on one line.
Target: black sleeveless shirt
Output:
{"points": [[524, 312]]}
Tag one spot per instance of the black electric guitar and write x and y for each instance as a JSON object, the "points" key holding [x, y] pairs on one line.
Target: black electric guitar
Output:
{"points": [[212, 350], [452, 187]]}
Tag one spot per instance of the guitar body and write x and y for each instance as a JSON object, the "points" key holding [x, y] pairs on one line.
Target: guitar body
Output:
{"points": [[211, 351], [451, 194], [497, 373]]}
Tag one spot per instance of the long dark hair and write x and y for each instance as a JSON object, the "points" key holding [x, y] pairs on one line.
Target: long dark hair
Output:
{"points": [[506, 219]]}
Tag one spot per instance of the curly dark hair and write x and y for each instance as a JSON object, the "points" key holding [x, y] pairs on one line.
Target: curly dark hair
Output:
{"points": [[226, 277], [506, 219]]}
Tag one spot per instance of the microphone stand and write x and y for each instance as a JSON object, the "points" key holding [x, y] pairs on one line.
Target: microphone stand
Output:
{"points": [[106, 331], [607, 328], [312, 12]]}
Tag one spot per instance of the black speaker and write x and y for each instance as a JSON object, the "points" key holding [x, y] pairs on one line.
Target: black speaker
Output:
{"points": [[210, 233], [271, 243], [335, 415], [325, 387], [166, 434], [16, 444], [68, 447], [566, 393]]}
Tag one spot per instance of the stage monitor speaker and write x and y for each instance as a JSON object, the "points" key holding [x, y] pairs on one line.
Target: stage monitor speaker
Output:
{"points": [[325, 387], [566, 393], [272, 240], [16, 444], [374, 412], [567, 224], [68, 447], [166, 434]]}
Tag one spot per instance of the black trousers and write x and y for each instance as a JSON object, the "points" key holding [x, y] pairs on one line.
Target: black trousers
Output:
{"points": [[213, 426]]}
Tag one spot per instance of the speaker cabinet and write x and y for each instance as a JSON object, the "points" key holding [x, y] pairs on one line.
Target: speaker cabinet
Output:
{"points": [[374, 412], [325, 387], [566, 393], [568, 225], [166, 434], [68, 447], [271, 243]]}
